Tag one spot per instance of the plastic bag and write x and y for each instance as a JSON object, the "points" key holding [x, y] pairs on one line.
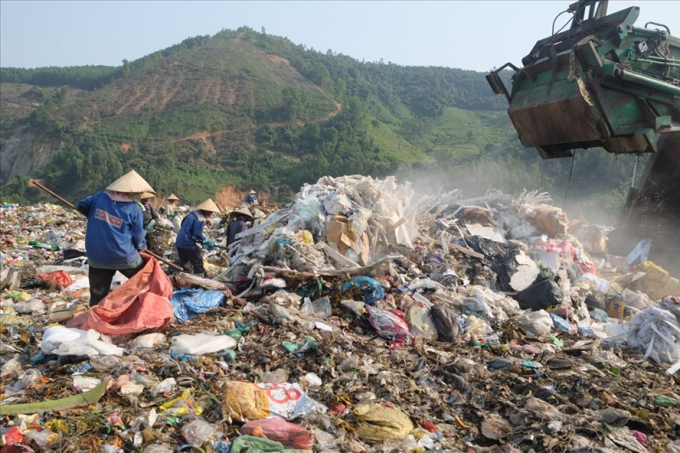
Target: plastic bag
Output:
{"points": [[310, 210], [535, 323], [337, 203], [544, 293], [57, 279], [33, 306], [320, 308], [66, 341], [377, 422], [188, 303], [372, 289], [148, 341], [244, 401], [44, 438], [201, 343], [183, 405], [421, 323], [140, 304], [197, 432], [445, 321], [389, 326], [279, 430], [633, 299], [253, 444], [560, 323], [83, 384]]}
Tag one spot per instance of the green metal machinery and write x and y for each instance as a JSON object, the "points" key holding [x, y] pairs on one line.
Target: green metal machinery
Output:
{"points": [[606, 83]]}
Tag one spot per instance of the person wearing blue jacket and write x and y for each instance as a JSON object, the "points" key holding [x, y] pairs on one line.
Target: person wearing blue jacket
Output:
{"points": [[115, 233], [252, 198], [191, 234]]}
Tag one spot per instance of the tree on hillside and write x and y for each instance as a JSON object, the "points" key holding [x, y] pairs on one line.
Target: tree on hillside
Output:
{"points": [[294, 103]]}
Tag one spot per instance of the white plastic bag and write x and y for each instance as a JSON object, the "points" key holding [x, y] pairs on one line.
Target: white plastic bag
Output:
{"points": [[148, 341], [535, 323], [201, 343], [66, 341]]}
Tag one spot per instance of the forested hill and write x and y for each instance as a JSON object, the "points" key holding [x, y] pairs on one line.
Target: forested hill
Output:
{"points": [[252, 110]]}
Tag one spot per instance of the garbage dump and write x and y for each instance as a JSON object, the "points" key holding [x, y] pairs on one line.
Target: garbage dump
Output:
{"points": [[364, 316]]}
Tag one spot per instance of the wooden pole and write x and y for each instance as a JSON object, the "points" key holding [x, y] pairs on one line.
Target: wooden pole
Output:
{"points": [[72, 206]]}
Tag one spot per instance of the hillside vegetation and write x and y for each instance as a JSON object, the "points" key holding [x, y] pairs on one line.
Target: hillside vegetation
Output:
{"points": [[257, 111]]}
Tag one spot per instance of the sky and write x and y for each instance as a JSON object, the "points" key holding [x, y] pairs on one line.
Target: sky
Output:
{"points": [[477, 35]]}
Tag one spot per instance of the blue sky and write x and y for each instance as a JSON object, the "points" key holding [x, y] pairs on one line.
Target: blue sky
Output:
{"points": [[470, 35]]}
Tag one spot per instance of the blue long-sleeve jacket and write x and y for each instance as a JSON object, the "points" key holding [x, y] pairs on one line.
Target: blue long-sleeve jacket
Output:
{"points": [[234, 228], [115, 232], [191, 232]]}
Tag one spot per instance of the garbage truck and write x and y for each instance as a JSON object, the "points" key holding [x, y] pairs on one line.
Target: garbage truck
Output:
{"points": [[605, 83]]}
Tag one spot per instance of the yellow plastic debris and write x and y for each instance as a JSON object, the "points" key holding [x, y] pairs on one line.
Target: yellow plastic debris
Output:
{"points": [[377, 422]]}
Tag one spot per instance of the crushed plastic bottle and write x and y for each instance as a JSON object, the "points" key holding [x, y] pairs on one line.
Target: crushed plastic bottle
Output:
{"points": [[42, 245]]}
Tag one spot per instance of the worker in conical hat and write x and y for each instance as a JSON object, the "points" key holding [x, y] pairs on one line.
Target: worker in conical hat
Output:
{"points": [[170, 210], [115, 232], [170, 206], [191, 235], [239, 223], [130, 182], [252, 198]]}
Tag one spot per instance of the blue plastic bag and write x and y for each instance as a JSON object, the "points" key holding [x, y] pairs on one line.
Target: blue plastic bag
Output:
{"points": [[561, 324], [188, 303], [372, 289]]}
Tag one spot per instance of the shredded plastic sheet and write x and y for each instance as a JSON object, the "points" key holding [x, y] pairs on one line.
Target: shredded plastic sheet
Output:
{"points": [[656, 330], [376, 214]]}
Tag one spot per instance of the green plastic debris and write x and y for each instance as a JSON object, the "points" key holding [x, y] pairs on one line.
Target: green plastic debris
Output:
{"points": [[663, 401], [42, 245], [238, 332], [79, 400], [300, 349], [229, 355], [556, 341], [311, 289], [253, 444]]}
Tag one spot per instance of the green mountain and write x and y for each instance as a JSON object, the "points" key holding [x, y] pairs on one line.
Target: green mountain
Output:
{"points": [[248, 109]]}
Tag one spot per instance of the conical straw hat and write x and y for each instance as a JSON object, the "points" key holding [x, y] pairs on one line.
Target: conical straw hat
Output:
{"points": [[172, 197], [130, 182], [208, 205], [146, 195], [243, 211], [252, 192]]}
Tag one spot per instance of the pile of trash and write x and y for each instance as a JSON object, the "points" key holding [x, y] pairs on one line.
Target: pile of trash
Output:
{"points": [[362, 317]]}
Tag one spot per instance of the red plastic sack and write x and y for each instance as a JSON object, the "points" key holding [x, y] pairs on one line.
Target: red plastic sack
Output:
{"points": [[58, 279], [279, 430], [142, 303], [388, 325]]}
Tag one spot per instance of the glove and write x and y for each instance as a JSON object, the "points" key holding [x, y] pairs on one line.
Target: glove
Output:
{"points": [[209, 244]]}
